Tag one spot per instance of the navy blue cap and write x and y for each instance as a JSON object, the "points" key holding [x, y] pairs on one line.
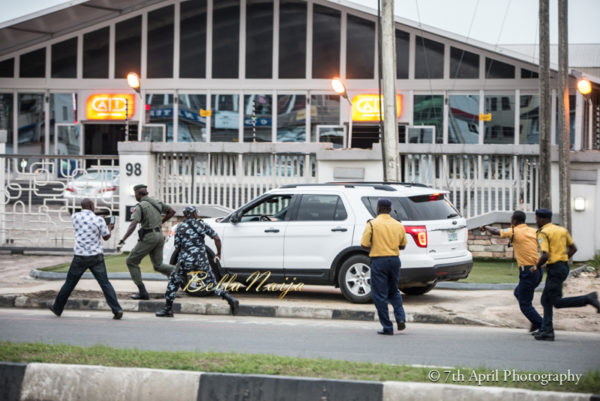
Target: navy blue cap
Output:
{"points": [[384, 202], [189, 211], [544, 213]]}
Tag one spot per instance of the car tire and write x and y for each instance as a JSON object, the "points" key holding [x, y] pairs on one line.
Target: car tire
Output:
{"points": [[418, 290], [354, 279], [191, 289]]}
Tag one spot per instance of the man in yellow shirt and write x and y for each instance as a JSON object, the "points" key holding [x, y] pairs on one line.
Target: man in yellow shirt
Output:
{"points": [[556, 247], [385, 237], [524, 242]]}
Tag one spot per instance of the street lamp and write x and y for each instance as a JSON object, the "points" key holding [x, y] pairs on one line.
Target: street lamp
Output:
{"points": [[133, 80], [338, 87], [584, 86]]}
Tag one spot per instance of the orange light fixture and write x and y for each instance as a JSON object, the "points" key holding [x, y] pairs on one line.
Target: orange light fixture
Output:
{"points": [[365, 108], [584, 86], [110, 106], [338, 86], [133, 80]]}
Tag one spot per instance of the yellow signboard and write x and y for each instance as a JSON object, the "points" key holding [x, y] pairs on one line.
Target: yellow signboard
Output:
{"points": [[205, 113], [366, 107], [110, 106], [485, 117]]}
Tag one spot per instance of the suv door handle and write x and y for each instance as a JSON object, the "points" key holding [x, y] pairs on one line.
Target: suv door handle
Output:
{"points": [[341, 229], [271, 230]]}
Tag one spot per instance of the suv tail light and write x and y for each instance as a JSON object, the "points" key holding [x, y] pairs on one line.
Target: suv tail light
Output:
{"points": [[419, 234], [70, 189], [109, 189]]}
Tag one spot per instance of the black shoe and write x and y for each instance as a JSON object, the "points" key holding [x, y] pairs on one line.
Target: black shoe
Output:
{"points": [[401, 326], [166, 312], [142, 294], [234, 304], [545, 336], [385, 333], [534, 328], [592, 299], [118, 315], [51, 307]]}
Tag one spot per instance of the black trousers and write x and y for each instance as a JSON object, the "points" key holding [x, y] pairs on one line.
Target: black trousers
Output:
{"points": [[552, 294], [78, 266]]}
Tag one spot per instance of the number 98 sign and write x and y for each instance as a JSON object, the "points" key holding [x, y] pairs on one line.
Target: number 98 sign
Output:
{"points": [[133, 169]]}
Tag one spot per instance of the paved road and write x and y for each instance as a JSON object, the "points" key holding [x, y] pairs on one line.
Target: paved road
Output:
{"points": [[420, 344]]}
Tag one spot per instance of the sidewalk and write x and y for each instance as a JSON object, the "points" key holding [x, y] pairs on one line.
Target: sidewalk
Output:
{"points": [[497, 308]]}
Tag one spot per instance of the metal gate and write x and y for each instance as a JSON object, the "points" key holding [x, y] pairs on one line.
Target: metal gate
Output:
{"points": [[39, 194]]}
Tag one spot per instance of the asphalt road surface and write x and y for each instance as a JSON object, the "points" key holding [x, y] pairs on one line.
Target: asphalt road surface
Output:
{"points": [[419, 344]]}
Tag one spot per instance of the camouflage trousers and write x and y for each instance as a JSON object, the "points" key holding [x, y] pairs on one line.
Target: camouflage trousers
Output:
{"points": [[180, 277]]}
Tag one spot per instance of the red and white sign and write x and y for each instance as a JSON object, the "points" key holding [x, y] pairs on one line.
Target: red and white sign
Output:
{"points": [[110, 106]]}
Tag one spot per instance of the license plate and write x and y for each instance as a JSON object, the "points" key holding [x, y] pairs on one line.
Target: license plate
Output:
{"points": [[452, 236]]}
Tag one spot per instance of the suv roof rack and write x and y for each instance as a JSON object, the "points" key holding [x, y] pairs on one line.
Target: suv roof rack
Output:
{"points": [[406, 184], [375, 185]]}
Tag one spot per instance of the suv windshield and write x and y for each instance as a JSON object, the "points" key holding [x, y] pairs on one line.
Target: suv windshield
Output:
{"points": [[413, 208]]}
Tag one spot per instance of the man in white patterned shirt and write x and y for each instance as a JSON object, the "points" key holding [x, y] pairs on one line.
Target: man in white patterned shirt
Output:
{"points": [[89, 228]]}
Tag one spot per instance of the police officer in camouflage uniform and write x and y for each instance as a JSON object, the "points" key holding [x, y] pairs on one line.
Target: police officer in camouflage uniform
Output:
{"points": [[148, 213], [190, 254]]}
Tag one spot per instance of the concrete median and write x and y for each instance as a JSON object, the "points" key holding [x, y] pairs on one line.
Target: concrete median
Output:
{"points": [[53, 382]]}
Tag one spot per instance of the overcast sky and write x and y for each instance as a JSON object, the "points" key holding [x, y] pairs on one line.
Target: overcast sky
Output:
{"points": [[475, 19]]}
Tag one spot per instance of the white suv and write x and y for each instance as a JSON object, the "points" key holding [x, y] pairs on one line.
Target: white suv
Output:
{"points": [[311, 234]]}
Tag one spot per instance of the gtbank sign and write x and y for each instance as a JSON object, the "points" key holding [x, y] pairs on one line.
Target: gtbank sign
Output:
{"points": [[110, 106], [366, 107]]}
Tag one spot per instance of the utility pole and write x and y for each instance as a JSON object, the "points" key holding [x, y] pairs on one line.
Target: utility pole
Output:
{"points": [[390, 123], [545, 164], [564, 137]]}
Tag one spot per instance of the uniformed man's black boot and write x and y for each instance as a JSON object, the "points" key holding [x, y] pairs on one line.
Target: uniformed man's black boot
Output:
{"points": [[234, 304], [143, 294], [167, 310]]}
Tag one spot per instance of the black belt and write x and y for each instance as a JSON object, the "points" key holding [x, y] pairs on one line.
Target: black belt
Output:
{"points": [[149, 230], [523, 268]]}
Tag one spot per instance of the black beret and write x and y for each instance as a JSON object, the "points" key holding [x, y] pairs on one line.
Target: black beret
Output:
{"points": [[384, 202], [544, 213]]}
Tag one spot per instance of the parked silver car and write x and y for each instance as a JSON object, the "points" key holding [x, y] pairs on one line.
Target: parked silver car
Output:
{"points": [[100, 184]]}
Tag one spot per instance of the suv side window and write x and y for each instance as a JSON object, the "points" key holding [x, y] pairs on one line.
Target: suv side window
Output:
{"points": [[321, 208], [419, 207], [273, 208]]}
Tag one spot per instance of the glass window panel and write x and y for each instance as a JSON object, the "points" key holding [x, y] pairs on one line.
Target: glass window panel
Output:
{"points": [[6, 119], [321, 208], [463, 119], [33, 64], [225, 118], [501, 130], [360, 48], [324, 110], [63, 108], [226, 38], [95, 54], [259, 38], [463, 64], [192, 125], [192, 52], [429, 110], [64, 59], [292, 39], [7, 68], [31, 135], [402, 41], [421, 134], [429, 59], [128, 47], [571, 120], [498, 69], [160, 43], [161, 111], [529, 119], [326, 42], [291, 118], [258, 118], [527, 74]]}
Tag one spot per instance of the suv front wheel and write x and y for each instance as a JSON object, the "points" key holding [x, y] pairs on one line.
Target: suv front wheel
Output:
{"points": [[354, 279]]}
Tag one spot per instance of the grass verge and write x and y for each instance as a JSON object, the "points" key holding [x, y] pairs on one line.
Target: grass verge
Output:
{"points": [[493, 271], [269, 365]]}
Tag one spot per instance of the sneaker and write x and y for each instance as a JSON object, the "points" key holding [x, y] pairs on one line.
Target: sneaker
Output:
{"points": [[51, 307], [118, 315], [401, 326], [545, 336], [592, 299]]}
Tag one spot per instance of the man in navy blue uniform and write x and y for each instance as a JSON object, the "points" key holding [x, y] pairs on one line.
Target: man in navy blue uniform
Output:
{"points": [[191, 257]]}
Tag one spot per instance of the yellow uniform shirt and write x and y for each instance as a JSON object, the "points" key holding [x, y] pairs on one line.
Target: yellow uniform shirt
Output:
{"points": [[554, 240], [388, 234], [524, 243]]}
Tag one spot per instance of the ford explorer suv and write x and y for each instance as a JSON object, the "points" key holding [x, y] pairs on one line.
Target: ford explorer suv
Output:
{"points": [[311, 234]]}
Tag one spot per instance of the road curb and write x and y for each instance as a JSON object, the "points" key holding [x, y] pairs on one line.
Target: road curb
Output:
{"points": [[221, 308], [54, 382]]}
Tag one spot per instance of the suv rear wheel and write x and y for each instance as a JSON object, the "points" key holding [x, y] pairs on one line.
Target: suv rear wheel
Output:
{"points": [[354, 279], [418, 290]]}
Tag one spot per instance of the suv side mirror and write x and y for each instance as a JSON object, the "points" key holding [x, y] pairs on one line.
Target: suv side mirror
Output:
{"points": [[235, 218]]}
